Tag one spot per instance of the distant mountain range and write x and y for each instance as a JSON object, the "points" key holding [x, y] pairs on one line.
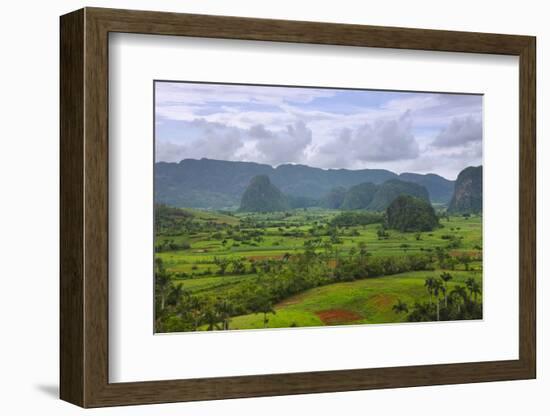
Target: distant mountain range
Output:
{"points": [[262, 196], [219, 184]]}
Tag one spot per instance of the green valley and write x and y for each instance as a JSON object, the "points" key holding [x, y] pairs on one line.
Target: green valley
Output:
{"points": [[311, 267]]}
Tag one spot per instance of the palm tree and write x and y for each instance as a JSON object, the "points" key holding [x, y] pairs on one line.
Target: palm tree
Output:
{"points": [[429, 285], [446, 277], [422, 312], [437, 289], [473, 287], [263, 303], [362, 251], [163, 285], [195, 310], [159, 265], [458, 296], [224, 309], [476, 290], [441, 255], [175, 294], [400, 307], [465, 259], [266, 308], [212, 318]]}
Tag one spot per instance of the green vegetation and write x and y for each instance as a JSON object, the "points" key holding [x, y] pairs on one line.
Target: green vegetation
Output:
{"points": [[368, 196], [351, 218], [366, 301], [359, 196], [335, 198], [309, 267], [445, 304], [389, 190], [407, 214], [262, 196], [440, 189]]}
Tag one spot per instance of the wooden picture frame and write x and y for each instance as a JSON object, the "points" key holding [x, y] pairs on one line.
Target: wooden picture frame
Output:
{"points": [[84, 207]]}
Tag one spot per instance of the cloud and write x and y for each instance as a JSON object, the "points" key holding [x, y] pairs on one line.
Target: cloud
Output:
{"points": [[285, 146], [330, 128], [259, 131], [380, 141], [459, 132], [447, 162], [387, 140], [200, 139]]}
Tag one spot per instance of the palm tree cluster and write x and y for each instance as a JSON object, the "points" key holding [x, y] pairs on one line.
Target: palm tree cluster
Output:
{"points": [[460, 303], [178, 310]]}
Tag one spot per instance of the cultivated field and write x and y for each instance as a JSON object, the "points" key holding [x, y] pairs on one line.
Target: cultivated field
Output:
{"points": [[219, 258]]}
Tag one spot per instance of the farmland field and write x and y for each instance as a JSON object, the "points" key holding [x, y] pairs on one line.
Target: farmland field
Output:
{"points": [[366, 301], [219, 258]]}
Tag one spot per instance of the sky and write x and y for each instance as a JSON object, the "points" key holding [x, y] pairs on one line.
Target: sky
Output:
{"points": [[319, 127]]}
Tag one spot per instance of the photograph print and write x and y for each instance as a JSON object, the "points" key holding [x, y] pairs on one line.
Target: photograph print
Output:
{"points": [[293, 207]]}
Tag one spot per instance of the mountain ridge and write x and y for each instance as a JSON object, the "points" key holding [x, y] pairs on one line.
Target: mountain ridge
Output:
{"points": [[210, 183]]}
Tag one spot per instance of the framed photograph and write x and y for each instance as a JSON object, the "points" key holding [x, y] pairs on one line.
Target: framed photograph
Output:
{"points": [[255, 207]]}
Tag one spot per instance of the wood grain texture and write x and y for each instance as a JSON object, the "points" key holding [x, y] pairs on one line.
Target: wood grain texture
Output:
{"points": [[528, 208], [96, 208], [84, 207], [71, 100], [226, 27]]}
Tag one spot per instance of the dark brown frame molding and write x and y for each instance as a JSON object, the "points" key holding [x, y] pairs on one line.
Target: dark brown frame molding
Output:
{"points": [[84, 208]]}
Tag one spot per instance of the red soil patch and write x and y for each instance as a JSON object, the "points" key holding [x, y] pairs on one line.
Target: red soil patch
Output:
{"points": [[337, 316]]}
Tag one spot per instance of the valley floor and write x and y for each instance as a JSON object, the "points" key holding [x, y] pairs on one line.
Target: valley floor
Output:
{"points": [[213, 256]]}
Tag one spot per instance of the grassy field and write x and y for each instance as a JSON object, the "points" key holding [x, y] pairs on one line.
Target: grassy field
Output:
{"points": [[275, 244], [366, 301], [192, 256]]}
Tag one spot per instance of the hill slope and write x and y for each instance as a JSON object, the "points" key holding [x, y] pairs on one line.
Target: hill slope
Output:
{"points": [[468, 193], [262, 196], [335, 198], [389, 190], [359, 196], [407, 213], [439, 188]]}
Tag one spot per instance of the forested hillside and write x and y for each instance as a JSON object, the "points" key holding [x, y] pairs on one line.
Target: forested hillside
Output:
{"points": [[217, 184]]}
